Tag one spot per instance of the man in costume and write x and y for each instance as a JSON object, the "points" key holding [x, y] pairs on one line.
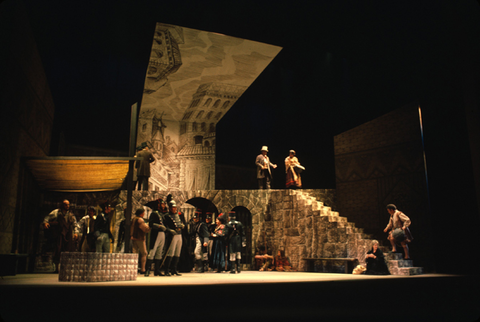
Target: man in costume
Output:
{"points": [[399, 231], [86, 226], [236, 240], [264, 261], [143, 166], [157, 238], [200, 230], [174, 226], [211, 228], [264, 174], [102, 230], [138, 230], [61, 231]]}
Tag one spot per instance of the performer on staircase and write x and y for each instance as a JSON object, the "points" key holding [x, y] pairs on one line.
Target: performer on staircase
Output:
{"points": [[399, 231]]}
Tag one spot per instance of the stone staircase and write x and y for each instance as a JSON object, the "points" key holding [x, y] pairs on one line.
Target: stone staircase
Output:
{"points": [[399, 266], [329, 235]]}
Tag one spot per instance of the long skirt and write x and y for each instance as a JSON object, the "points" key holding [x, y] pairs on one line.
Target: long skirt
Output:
{"points": [[218, 253], [293, 180]]}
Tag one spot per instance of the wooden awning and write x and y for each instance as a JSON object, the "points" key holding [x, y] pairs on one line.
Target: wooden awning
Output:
{"points": [[79, 174]]}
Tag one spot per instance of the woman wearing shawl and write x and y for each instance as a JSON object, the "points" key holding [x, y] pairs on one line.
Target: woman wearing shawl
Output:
{"points": [[293, 169]]}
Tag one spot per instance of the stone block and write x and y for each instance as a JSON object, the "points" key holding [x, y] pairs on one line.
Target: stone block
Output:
{"points": [[322, 238], [408, 271], [340, 250], [394, 256], [352, 251], [340, 225], [328, 250], [293, 241], [400, 263], [332, 236], [342, 235], [287, 222], [331, 225], [309, 221], [278, 215], [301, 224]]}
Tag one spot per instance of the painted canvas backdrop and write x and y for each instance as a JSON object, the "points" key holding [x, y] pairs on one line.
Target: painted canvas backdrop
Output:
{"points": [[193, 78]]}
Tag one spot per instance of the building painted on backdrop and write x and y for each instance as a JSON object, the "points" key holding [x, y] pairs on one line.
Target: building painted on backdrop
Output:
{"points": [[193, 78]]}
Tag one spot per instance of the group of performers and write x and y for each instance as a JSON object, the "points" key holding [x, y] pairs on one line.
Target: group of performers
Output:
{"points": [[176, 245], [61, 231]]}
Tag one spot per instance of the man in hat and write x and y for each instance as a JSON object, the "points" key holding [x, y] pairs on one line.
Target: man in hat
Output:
{"points": [[102, 230], [201, 233], [138, 229], [174, 226], [398, 220], [143, 166], [264, 174], [236, 240], [157, 238]]}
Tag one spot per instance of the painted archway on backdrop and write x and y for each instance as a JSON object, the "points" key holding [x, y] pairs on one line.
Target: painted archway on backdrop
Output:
{"points": [[203, 204], [193, 78], [244, 216]]}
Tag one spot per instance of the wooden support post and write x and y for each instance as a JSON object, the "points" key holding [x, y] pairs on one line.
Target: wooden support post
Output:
{"points": [[131, 153]]}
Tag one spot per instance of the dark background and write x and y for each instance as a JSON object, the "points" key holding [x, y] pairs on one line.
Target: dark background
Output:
{"points": [[343, 63]]}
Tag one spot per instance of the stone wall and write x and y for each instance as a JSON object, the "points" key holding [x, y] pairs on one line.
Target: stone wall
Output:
{"points": [[26, 125]]}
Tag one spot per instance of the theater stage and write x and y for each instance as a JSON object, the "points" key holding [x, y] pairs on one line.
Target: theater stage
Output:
{"points": [[249, 296]]}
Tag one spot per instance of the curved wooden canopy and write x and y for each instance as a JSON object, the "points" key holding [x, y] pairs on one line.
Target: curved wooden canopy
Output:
{"points": [[80, 174]]}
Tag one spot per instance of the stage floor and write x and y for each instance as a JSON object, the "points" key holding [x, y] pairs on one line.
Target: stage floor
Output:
{"points": [[249, 296], [210, 278]]}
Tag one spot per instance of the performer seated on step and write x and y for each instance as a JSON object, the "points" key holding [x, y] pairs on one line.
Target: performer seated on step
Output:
{"points": [[264, 261], [281, 262], [399, 231], [376, 261]]}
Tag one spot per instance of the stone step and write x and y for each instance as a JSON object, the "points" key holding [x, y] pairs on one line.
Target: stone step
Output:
{"points": [[408, 271], [400, 263], [317, 205], [325, 211], [393, 256]]}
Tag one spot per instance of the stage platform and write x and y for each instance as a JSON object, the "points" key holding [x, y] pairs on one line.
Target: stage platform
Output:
{"points": [[249, 296]]}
